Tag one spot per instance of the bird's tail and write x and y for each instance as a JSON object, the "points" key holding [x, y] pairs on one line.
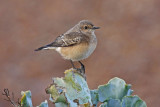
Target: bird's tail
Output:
{"points": [[41, 48], [45, 47]]}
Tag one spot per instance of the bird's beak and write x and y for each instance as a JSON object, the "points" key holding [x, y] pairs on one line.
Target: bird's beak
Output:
{"points": [[94, 27]]}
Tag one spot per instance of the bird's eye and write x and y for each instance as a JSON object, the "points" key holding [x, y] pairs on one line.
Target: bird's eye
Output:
{"points": [[85, 27]]}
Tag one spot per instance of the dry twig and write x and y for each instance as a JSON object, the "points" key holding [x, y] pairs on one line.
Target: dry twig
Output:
{"points": [[11, 98]]}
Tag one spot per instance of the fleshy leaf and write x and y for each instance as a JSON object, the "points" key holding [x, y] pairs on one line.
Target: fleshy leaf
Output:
{"points": [[104, 104], [43, 104], [133, 101], [60, 104], [26, 100], [116, 88], [73, 89], [56, 93], [94, 97], [112, 103]]}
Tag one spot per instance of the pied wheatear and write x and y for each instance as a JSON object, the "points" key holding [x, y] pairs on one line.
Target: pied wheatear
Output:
{"points": [[76, 44]]}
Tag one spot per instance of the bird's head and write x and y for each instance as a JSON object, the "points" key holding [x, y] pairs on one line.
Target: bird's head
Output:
{"points": [[87, 27]]}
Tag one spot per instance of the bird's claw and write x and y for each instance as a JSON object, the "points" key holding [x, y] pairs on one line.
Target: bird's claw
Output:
{"points": [[80, 71]]}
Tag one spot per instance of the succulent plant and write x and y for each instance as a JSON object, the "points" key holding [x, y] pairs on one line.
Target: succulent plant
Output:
{"points": [[72, 91]]}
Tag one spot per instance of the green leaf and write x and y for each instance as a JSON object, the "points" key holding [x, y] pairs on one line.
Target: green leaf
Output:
{"points": [[104, 104], [112, 103], [73, 89], [94, 97], [116, 88], [43, 104], [133, 101], [56, 93], [26, 100], [60, 104], [77, 88]]}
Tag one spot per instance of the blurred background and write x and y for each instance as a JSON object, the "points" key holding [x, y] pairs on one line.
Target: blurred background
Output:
{"points": [[128, 44]]}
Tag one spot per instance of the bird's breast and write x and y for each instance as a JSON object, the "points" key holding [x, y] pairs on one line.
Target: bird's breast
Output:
{"points": [[80, 51], [91, 47]]}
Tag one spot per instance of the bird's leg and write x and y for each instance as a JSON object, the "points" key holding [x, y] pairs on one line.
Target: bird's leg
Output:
{"points": [[82, 70], [82, 67], [73, 68], [73, 65]]}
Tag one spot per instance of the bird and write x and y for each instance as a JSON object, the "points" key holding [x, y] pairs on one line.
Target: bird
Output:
{"points": [[76, 44]]}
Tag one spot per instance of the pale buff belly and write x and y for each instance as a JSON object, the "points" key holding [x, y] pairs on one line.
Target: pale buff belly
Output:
{"points": [[77, 52]]}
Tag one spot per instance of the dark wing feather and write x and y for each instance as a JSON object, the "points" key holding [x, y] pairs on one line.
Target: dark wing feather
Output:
{"points": [[70, 39]]}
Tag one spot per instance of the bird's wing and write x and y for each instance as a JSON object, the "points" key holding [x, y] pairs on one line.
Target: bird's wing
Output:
{"points": [[66, 40], [70, 39]]}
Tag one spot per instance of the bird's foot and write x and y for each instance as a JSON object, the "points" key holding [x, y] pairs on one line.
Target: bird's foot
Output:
{"points": [[82, 74], [82, 69], [79, 71]]}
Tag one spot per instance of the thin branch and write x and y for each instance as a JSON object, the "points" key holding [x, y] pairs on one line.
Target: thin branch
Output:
{"points": [[10, 98], [19, 102]]}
